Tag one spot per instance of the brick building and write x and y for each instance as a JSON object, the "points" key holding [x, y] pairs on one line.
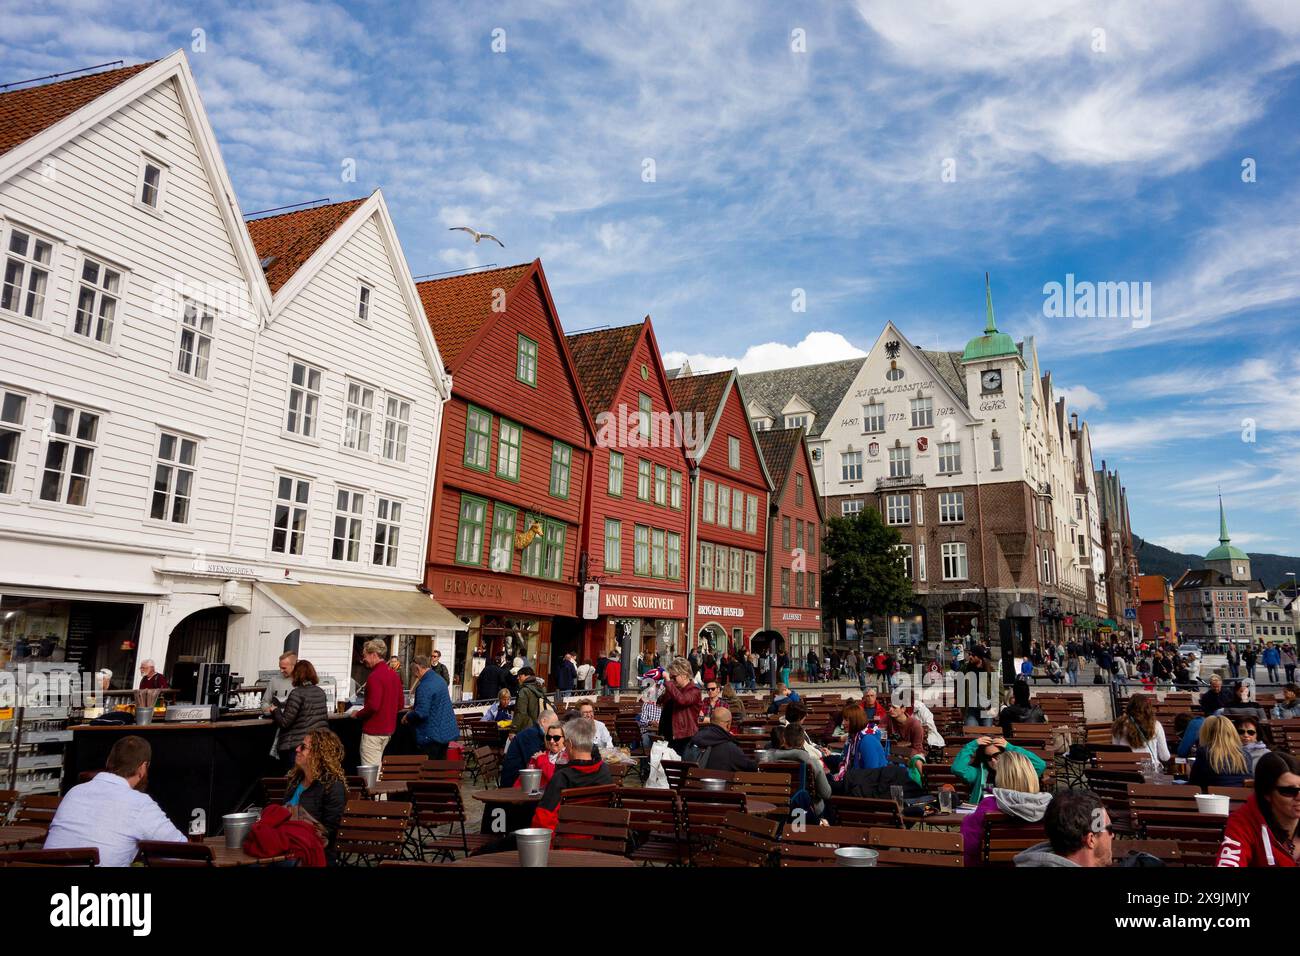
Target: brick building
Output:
{"points": [[1156, 615]]}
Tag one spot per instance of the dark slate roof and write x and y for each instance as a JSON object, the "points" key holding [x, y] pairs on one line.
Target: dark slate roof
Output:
{"points": [[947, 365], [1205, 578], [600, 359], [821, 386], [779, 446]]}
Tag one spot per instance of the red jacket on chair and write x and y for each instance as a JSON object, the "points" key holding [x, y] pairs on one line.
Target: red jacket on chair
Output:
{"points": [[277, 835]]}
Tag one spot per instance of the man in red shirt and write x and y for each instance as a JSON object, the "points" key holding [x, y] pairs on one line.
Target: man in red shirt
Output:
{"points": [[614, 672], [384, 698]]}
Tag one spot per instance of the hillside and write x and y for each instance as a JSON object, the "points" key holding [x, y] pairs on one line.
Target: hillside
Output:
{"points": [[1153, 559]]}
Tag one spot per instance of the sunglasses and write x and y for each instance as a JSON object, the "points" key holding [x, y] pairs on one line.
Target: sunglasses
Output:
{"points": [[1288, 792], [555, 736], [1250, 733], [712, 687]]}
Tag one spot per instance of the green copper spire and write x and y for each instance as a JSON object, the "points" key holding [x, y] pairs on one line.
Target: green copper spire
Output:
{"points": [[992, 344], [1225, 551], [1223, 524], [990, 326]]}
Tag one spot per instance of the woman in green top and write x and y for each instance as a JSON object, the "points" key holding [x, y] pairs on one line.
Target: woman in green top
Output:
{"points": [[977, 763]]}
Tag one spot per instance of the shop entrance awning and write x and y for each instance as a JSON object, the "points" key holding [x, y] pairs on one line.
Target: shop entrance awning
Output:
{"points": [[337, 607]]}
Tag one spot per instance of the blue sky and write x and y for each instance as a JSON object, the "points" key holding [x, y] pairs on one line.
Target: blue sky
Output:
{"points": [[1103, 140]]}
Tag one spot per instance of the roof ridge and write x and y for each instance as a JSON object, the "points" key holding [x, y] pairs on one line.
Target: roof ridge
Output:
{"points": [[608, 331], [136, 67], [482, 272], [299, 212]]}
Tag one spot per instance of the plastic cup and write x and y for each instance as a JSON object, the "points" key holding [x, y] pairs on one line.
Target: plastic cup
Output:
{"points": [[945, 800], [1214, 804], [534, 845], [855, 856], [236, 826]]}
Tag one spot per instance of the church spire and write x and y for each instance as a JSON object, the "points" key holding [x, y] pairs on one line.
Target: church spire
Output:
{"points": [[1223, 524], [989, 326]]}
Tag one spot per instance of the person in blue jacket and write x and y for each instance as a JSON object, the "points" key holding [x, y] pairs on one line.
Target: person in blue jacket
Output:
{"points": [[863, 749], [434, 720], [977, 763], [523, 745]]}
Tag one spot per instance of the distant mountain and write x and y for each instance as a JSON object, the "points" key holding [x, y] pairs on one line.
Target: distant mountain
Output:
{"points": [[1153, 559]]}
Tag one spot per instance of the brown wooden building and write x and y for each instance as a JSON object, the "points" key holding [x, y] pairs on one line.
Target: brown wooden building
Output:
{"points": [[514, 464]]}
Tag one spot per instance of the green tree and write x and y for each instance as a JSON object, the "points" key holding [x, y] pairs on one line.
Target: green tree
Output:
{"points": [[866, 575]]}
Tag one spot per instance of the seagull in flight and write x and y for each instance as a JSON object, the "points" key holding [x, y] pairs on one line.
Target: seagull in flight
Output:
{"points": [[477, 235]]}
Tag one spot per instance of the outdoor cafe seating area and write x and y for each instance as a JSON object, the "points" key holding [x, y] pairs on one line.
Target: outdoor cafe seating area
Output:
{"points": [[423, 812]]}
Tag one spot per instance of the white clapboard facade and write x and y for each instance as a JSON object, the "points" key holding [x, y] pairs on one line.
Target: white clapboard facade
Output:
{"points": [[145, 367]]}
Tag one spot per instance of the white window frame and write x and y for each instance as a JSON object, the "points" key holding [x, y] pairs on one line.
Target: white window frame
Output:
{"points": [[922, 413], [29, 263], [724, 506], [955, 552], [641, 550], [73, 443], [615, 488], [952, 507], [354, 519], [797, 421], [295, 433], [903, 458], [19, 430], [751, 514], [615, 566], [392, 526], [871, 421], [898, 509], [708, 509], [949, 461], [850, 465], [736, 570], [997, 453], [175, 467], [351, 432], [183, 328], [705, 567], [737, 510], [733, 453], [851, 507], [119, 296], [920, 507], [908, 565], [365, 304], [401, 426], [920, 561], [750, 582], [157, 208], [294, 505]]}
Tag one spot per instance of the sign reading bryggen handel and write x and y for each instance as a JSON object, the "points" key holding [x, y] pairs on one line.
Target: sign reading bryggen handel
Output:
{"points": [[641, 603]]}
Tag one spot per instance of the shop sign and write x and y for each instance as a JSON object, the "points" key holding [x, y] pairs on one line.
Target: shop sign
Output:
{"points": [[641, 603], [590, 601], [717, 610]]}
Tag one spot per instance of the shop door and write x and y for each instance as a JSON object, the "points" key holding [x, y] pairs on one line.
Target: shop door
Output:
{"points": [[201, 636]]}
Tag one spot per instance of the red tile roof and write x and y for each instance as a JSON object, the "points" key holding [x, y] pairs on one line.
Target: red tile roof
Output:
{"points": [[289, 240], [699, 393], [26, 112], [779, 446], [458, 306], [601, 359]]}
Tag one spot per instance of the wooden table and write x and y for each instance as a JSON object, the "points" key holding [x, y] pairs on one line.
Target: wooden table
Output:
{"points": [[385, 787], [517, 804], [556, 858], [760, 808], [16, 836], [940, 821], [506, 796], [223, 856]]}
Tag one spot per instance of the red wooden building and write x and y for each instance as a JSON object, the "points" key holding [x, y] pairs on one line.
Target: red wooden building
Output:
{"points": [[638, 517], [513, 468], [729, 494], [793, 542]]}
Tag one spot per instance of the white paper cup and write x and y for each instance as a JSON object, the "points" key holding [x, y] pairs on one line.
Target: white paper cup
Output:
{"points": [[1214, 804], [856, 856], [534, 845]]}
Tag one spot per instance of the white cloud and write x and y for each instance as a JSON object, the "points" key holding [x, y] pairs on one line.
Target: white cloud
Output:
{"points": [[1080, 398], [813, 349]]}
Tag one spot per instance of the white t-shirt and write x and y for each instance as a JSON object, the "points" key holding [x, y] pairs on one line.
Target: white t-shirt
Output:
{"points": [[1156, 746]]}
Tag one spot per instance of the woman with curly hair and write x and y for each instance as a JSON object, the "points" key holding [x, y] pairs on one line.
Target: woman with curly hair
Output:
{"points": [[1138, 729], [317, 784]]}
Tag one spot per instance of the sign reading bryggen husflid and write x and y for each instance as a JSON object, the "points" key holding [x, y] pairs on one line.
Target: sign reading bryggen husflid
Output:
{"points": [[513, 468]]}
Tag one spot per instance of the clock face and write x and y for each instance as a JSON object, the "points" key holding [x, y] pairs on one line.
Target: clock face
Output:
{"points": [[992, 381]]}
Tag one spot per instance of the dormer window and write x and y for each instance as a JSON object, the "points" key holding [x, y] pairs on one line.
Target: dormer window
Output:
{"points": [[150, 186], [796, 421], [363, 304]]}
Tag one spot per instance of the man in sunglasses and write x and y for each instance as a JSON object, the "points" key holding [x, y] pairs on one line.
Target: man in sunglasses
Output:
{"points": [[712, 700], [1079, 833]]}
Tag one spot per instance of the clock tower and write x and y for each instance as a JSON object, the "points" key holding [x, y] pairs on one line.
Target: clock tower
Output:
{"points": [[993, 371]]}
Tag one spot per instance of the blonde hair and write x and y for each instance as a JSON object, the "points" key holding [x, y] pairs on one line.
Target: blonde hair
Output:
{"points": [[680, 665], [1015, 772], [1222, 746]]}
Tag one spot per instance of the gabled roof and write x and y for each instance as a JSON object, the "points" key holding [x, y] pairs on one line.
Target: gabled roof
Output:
{"points": [[1206, 578], [458, 307], [779, 447], [822, 386], [701, 394], [947, 365], [285, 242], [26, 112], [601, 359]]}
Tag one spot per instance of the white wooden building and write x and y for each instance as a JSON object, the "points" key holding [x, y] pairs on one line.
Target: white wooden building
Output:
{"points": [[146, 425]]}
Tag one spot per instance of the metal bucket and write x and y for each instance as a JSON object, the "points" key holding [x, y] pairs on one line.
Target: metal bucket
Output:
{"points": [[530, 780], [144, 715], [855, 856], [236, 827], [369, 773], [713, 784], [534, 845]]}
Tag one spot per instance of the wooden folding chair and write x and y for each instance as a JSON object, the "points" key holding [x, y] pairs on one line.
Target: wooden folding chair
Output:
{"points": [[1006, 836], [36, 810], [81, 856], [274, 790], [702, 817], [158, 853], [865, 812], [899, 847], [438, 811], [816, 846], [675, 771], [486, 767], [372, 830], [655, 824], [744, 840], [402, 766], [442, 771], [593, 828]]}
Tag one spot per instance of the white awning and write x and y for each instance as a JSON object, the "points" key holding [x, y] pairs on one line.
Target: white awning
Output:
{"points": [[338, 607]]}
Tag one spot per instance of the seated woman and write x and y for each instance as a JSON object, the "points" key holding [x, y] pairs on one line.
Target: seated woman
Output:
{"points": [[1016, 794], [977, 764], [1262, 831], [501, 710], [862, 748], [1220, 759], [1243, 703], [1139, 730], [551, 756], [318, 786], [1255, 740], [791, 739]]}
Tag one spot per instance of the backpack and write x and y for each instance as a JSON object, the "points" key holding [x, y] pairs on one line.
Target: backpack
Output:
{"points": [[692, 753]]}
